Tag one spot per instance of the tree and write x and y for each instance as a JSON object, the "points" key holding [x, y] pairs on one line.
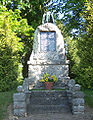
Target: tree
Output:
{"points": [[15, 34], [8, 53], [32, 10], [81, 52], [86, 48]]}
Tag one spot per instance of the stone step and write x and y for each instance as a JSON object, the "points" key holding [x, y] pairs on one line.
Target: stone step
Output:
{"points": [[40, 109], [48, 93], [48, 101]]}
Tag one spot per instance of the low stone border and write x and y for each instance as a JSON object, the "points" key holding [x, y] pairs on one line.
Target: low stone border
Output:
{"points": [[75, 97], [19, 102]]}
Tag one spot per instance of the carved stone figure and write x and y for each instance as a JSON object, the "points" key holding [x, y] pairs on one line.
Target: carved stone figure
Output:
{"points": [[48, 18]]}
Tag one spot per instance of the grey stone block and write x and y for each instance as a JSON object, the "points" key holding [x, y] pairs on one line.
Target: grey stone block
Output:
{"points": [[78, 101], [20, 88], [19, 97], [70, 100], [76, 113], [77, 87], [78, 108], [19, 112], [19, 105], [71, 84], [69, 94], [78, 94]]}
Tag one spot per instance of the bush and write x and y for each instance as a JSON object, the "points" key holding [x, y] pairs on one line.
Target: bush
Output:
{"points": [[85, 77], [8, 69], [9, 57]]}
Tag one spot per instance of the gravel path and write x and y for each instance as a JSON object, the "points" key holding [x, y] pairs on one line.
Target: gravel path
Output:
{"points": [[54, 116]]}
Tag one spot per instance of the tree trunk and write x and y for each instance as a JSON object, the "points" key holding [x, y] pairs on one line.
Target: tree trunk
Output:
{"points": [[25, 65]]}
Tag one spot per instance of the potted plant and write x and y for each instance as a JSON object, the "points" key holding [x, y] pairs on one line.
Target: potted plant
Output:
{"points": [[49, 80]]}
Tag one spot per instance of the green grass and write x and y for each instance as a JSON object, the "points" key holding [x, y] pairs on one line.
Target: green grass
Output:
{"points": [[88, 97], [5, 100], [46, 89]]}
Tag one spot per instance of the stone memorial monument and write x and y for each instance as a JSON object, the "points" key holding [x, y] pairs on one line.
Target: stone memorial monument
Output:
{"points": [[48, 56]]}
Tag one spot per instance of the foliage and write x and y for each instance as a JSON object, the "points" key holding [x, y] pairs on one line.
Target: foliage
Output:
{"points": [[15, 40], [68, 11], [72, 10], [81, 51], [48, 78], [32, 10], [87, 15], [26, 33], [8, 54], [65, 32], [21, 27], [81, 57], [8, 69]]}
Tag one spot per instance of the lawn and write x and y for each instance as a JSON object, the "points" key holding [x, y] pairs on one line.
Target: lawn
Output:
{"points": [[5, 101], [88, 97]]}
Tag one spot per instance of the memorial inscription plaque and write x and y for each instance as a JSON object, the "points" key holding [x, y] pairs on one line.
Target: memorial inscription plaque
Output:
{"points": [[47, 41]]}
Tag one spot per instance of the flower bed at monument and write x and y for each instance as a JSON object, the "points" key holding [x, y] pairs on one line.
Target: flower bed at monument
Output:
{"points": [[48, 80]]}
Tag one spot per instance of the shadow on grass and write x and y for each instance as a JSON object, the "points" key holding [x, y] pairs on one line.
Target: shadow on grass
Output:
{"points": [[6, 99]]}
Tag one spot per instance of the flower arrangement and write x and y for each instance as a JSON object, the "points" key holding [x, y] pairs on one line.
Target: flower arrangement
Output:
{"points": [[48, 78]]}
